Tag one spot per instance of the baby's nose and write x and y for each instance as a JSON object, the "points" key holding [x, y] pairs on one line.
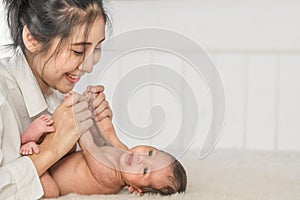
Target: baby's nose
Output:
{"points": [[140, 158]]}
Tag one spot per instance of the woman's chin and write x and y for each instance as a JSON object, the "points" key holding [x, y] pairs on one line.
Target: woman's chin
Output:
{"points": [[66, 89]]}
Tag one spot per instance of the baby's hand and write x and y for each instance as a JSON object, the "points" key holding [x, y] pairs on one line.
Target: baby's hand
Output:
{"points": [[97, 101], [68, 95], [134, 190]]}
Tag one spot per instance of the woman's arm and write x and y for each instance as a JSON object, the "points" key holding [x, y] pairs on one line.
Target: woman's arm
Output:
{"points": [[71, 119]]}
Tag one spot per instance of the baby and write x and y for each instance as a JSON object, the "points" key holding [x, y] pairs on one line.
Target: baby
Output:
{"points": [[106, 170]]}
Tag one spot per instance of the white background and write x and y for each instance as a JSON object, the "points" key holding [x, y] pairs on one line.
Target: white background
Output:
{"points": [[255, 45]]}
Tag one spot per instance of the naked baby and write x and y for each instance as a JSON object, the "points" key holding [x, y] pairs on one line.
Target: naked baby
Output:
{"points": [[106, 170]]}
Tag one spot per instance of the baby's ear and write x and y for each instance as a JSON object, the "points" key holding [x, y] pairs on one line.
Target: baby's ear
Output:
{"points": [[135, 190]]}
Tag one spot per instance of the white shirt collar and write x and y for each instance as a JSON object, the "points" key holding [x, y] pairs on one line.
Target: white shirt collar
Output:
{"points": [[34, 100]]}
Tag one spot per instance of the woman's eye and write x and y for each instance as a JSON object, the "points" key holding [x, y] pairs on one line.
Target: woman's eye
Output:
{"points": [[78, 53], [145, 170], [98, 48], [150, 153]]}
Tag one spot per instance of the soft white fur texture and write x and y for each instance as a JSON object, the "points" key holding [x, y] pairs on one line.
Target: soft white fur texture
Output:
{"points": [[231, 175]]}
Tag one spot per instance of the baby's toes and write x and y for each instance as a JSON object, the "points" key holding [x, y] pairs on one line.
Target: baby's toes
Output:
{"points": [[29, 152], [25, 152], [50, 129], [43, 117], [49, 122], [22, 152], [36, 149]]}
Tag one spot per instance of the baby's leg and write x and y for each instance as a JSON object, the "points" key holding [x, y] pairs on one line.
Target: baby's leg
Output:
{"points": [[51, 189], [37, 128]]}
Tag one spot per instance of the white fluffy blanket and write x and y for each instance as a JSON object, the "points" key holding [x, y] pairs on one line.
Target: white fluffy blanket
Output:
{"points": [[232, 175]]}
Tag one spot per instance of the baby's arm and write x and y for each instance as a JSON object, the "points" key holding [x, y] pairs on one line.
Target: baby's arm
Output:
{"points": [[34, 132], [92, 154], [105, 125]]}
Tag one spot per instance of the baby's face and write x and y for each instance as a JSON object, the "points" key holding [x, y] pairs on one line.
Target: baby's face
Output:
{"points": [[144, 166]]}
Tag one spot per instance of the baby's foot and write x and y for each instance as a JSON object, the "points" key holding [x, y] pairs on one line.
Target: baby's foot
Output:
{"points": [[40, 126], [29, 148], [37, 128]]}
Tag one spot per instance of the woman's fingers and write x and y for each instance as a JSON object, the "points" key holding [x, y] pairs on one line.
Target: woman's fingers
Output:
{"points": [[98, 102], [103, 114], [98, 99], [83, 121], [80, 107], [84, 126], [82, 115], [96, 89]]}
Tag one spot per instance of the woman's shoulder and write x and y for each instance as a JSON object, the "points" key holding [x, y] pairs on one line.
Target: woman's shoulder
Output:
{"points": [[6, 79], [4, 68]]}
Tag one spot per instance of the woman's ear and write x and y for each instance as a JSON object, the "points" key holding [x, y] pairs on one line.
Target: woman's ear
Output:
{"points": [[30, 42]]}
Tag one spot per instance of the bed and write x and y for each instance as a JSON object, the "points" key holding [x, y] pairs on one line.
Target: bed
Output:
{"points": [[230, 175]]}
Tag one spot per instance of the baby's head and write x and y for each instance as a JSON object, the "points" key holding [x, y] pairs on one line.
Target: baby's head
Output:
{"points": [[146, 169]]}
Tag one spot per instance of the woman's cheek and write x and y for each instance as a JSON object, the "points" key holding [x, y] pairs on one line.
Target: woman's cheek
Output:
{"points": [[96, 57]]}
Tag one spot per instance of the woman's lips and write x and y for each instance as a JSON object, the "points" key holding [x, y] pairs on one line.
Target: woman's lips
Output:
{"points": [[73, 78]]}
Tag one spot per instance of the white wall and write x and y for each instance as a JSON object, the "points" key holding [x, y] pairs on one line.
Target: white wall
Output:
{"points": [[256, 48]]}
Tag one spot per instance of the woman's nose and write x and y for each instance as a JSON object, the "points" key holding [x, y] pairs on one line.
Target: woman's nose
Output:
{"points": [[87, 64]]}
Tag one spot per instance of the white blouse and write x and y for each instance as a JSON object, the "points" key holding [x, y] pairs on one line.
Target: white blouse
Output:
{"points": [[21, 101]]}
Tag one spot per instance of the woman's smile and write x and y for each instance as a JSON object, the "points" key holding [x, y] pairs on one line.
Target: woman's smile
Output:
{"points": [[73, 78]]}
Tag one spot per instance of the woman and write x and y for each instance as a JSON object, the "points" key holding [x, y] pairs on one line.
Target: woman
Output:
{"points": [[56, 42]]}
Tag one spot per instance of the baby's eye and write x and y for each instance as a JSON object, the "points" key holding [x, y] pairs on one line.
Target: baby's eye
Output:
{"points": [[145, 170], [150, 153]]}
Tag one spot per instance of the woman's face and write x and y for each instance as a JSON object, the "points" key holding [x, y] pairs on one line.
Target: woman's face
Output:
{"points": [[63, 70]]}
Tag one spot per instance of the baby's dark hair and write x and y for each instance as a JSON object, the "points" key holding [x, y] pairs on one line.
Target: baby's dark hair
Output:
{"points": [[178, 180], [48, 19]]}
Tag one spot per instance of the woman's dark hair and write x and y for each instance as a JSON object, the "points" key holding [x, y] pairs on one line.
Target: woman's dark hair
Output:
{"points": [[48, 19], [178, 180]]}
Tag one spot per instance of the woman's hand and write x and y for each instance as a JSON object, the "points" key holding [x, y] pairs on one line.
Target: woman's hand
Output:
{"points": [[98, 103], [71, 119]]}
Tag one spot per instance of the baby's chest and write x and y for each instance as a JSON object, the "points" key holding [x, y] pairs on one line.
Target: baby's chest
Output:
{"points": [[107, 181]]}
